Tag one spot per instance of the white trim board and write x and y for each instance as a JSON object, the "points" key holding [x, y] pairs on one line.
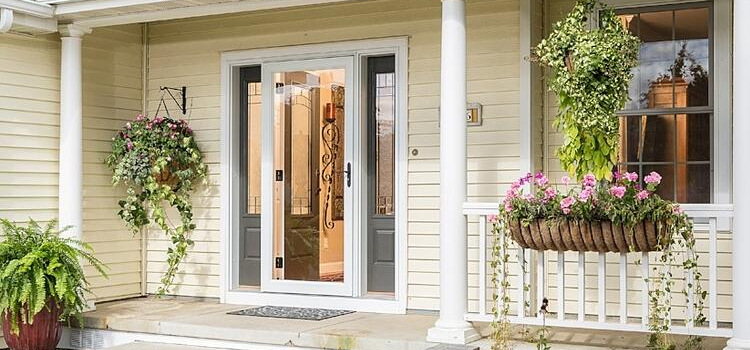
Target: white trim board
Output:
{"points": [[231, 61], [198, 11]]}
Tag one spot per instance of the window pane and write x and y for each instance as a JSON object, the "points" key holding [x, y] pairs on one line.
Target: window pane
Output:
{"points": [[692, 57], [694, 183], [698, 137], [385, 112], [648, 138], [666, 189], [253, 151]]}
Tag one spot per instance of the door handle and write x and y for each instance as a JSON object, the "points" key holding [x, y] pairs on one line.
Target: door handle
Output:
{"points": [[348, 173]]}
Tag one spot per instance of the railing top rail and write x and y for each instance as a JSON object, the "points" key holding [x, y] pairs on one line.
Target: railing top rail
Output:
{"points": [[693, 210]]}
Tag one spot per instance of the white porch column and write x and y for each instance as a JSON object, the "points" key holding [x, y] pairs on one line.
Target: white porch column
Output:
{"points": [[70, 192], [451, 327], [741, 187]]}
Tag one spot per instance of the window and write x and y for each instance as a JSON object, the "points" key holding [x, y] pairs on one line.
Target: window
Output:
{"points": [[667, 124]]}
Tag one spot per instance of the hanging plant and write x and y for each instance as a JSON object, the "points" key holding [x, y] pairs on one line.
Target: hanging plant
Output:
{"points": [[546, 218], [160, 163], [590, 73]]}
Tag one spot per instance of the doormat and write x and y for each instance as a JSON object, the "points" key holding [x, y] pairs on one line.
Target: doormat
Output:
{"points": [[294, 313]]}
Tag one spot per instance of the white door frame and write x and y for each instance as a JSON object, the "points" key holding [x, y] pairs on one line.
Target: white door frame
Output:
{"points": [[352, 202], [229, 290]]}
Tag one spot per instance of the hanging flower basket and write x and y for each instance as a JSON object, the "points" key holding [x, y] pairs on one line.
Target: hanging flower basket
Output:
{"points": [[586, 236], [161, 164], [593, 216]]}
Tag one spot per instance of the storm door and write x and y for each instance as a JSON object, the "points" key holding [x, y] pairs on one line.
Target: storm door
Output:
{"points": [[309, 107]]}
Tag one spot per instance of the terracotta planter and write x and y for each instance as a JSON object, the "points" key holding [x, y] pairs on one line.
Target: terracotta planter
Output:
{"points": [[43, 334], [585, 236]]}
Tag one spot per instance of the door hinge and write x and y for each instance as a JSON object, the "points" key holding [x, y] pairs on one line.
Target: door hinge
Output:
{"points": [[279, 262]]}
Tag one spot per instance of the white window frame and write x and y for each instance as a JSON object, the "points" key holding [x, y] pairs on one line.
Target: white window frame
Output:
{"points": [[229, 289], [721, 76]]}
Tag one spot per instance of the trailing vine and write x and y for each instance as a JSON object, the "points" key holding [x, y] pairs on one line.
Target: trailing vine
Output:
{"points": [[160, 163], [625, 201], [591, 71]]}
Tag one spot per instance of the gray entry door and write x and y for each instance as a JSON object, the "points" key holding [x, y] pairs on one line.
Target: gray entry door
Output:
{"points": [[381, 114], [250, 146]]}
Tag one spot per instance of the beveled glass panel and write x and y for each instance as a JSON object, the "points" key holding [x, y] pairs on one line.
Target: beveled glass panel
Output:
{"points": [[385, 118], [254, 147]]}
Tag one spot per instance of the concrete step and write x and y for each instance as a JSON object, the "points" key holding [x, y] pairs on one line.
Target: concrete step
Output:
{"points": [[157, 346]]}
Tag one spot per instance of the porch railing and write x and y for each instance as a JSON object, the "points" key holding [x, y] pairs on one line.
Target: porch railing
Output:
{"points": [[602, 290]]}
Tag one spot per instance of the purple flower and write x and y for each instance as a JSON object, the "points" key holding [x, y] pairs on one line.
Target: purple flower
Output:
{"points": [[586, 194], [643, 195], [617, 191], [541, 180], [631, 177], [589, 180], [550, 192], [566, 203], [565, 180], [616, 175], [653, 178]]}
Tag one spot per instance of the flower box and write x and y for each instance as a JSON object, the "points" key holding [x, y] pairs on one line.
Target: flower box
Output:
{"points": [[586, 236]]}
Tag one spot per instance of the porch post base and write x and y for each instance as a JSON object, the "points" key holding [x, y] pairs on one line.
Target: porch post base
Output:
{"points": [[738, 344], [454, 333]]}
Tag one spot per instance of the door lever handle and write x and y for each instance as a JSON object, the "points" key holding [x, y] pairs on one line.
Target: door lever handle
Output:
{"points": [[348, 173]]}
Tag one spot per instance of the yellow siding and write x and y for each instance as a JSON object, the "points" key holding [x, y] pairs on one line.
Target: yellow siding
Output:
{"points": [[187, 52], [29, 140], [112, 86]]}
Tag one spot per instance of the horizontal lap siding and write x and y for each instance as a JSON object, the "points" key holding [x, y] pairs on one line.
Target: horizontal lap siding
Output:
{"points": [[29, 140], [187, 52], [29, 95], [112, 86]]}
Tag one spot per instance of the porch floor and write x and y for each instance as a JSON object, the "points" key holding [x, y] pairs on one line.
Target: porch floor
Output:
{"points": [[181, 318]]}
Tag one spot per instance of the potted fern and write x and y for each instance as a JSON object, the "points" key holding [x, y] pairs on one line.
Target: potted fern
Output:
{"points": [[41, 283]]}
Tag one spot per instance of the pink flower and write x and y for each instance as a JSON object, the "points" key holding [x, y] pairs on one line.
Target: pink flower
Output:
{"points": [[529, 197], [566, 203], [653, 178], [139, 118], [643, 195], [550, 192], [586, 194], [617, 191], [616, 175], [631, 177], [589, 180], [130, 145], [565, 180], [542, 180], [128, 126], [508, 206], [677, 210], [492, 218]]}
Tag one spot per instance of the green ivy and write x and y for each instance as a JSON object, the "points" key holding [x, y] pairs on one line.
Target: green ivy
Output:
{"points": [[590, 73], [38, 266], [160, 163]]}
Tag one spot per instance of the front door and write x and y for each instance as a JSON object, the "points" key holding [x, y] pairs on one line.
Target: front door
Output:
{"points": [[308, 106]]}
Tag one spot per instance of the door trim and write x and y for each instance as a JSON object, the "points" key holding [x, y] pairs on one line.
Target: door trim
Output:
{"points": [[229, 290]]}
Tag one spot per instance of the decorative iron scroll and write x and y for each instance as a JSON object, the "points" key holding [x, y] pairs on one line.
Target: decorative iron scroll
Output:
{"points": [[333, 163]]}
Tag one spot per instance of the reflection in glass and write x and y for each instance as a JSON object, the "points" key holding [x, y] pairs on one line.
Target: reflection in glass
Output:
{"points": [[673, 73], [308, 158], [673, 68], [385, 112], [253, 152]]}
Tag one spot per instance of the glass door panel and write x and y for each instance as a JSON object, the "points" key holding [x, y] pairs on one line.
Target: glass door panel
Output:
{"points": [[311, 227]]}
